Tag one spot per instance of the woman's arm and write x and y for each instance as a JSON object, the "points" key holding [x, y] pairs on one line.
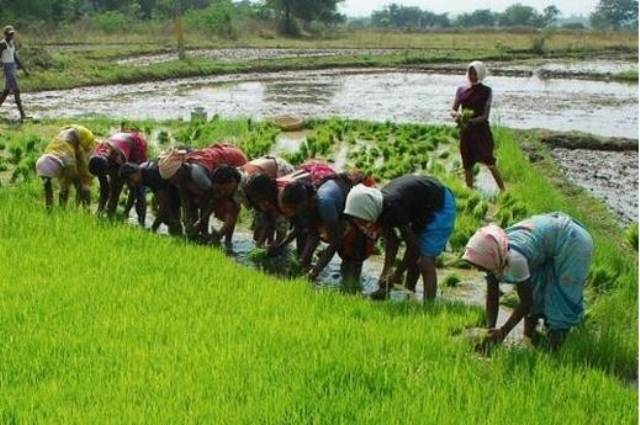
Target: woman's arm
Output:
{"points": [[456, 104], [114, 196], [48, 193], [277, 247], [410, 238], [104, 193], [334, 232], [20, 65], [391, 246], [312, 242], [493, 300], [525, 293]]}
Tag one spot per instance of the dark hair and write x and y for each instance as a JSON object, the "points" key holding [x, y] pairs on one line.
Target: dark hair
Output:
{"points": [[297, 192], [127, 170], [261, 187], [225, 174], [98, 165]]}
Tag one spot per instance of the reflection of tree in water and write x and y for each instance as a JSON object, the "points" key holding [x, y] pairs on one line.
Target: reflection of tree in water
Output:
{"points": [[316, 90]]}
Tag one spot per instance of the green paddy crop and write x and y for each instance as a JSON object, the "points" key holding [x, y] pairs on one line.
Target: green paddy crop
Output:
{"points": [[103, 322]]}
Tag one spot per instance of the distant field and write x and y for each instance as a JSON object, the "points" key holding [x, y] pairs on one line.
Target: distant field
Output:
{"points": [[162, 36], [70, 58]]}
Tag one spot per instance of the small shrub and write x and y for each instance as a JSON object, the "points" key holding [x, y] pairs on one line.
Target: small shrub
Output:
{"points": [[111, 21]]}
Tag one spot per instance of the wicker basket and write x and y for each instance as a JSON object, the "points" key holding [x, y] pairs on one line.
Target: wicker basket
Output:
{"points": [[289, 123]]}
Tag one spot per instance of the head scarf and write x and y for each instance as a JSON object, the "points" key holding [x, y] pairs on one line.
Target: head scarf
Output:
{"points": [[364, 203], [481, 70], [49, 166], [488, 248], [170, 162]]}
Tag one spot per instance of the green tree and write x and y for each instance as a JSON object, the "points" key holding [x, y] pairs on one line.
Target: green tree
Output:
{"points": [[287, 11], [615, 14], [399, 16], [550, 14], [520, 15], [478, 18]]}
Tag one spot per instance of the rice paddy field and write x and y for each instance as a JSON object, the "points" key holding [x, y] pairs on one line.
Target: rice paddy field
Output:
{"points": [[102, 322], [71, 56]]}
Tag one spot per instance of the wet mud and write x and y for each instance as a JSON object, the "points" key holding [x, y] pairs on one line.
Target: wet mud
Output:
{"points": [[609, 175], [251, 54]]}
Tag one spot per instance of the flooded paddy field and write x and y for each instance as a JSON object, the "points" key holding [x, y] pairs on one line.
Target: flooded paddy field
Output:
{"points": [[602, 108], [548, 68]]}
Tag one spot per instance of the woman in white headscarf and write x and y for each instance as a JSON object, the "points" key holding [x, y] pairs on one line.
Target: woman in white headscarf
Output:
{"points": [[471, 110]]}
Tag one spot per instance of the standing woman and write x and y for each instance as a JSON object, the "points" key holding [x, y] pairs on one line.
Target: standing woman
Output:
{"points": [[11, 63], [547, 258], [476, 140]]}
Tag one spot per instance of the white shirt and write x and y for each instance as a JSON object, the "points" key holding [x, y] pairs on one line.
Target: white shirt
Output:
{"points": [[9, 52], [517, 270]]}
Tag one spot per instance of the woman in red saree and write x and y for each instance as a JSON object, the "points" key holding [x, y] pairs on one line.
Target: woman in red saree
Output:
{"points": [[471, 110]]}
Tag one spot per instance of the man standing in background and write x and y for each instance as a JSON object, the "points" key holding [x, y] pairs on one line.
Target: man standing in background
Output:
{"points": [[11, 63]]}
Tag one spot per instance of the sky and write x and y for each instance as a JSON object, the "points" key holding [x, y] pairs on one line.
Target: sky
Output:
{"points": [[454, 7]]}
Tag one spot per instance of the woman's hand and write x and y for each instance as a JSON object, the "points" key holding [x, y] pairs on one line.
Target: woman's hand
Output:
{"points": [[395, 278], [455, 115], [496, 335], [312, 275]]}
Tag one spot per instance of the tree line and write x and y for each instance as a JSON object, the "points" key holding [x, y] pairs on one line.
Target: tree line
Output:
{"points": [[219, 15], [291, 16], [609, 14]]}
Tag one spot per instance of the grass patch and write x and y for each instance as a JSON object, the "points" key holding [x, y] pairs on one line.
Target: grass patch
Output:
{"points": [[103, 320], [138, 328]]}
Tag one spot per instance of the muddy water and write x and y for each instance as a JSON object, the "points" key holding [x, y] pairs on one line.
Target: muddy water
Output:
{"points": [[566, 68], [609, 176], [250, 54], [608, 109], [471, 290]]}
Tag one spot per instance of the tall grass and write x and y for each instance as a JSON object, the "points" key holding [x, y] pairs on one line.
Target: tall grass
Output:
{"points": [[111, 324], [108, 323]]}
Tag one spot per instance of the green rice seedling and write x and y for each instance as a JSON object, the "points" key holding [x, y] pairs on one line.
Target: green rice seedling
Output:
{"points": [[258, 255], [480, 210], [163, 138], [466, 226], [452, 280], [505, 218], [473, 201], [510, 299], [602, 279], [15, 154], [466, 115]]}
